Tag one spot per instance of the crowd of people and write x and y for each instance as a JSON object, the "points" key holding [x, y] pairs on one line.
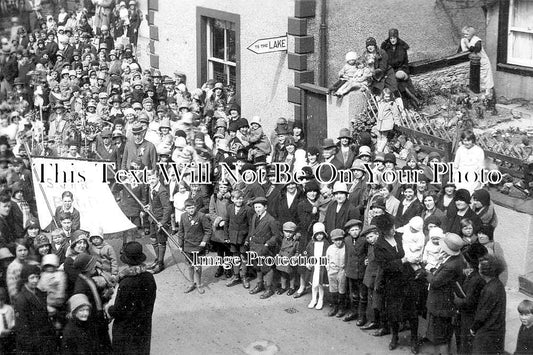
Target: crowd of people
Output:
{"points": [[71, 87]]}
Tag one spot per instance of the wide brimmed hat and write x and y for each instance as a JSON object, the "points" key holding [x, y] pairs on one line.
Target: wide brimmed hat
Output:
{"points": [[328, 143], [132, 254], [76, 301], [340, 187], [345, 133], [260, 199], [451, 244], [50, 259], [319, 227], [358, 164], [137, 128], [364, 151]]}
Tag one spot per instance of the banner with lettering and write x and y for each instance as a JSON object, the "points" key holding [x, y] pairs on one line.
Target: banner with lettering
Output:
{"points": [[92, 195]]}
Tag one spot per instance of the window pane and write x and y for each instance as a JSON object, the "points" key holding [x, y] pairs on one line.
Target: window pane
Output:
{"points": [[217, 45], [231, 46], [522, 13], [521, 47], [232, 76], [218, 72]]}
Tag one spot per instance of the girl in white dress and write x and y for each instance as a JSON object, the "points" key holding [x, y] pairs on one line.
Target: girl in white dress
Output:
{"points": [[317, 249]]}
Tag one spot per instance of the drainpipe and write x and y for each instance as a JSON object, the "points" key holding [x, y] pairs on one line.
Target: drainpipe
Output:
{"points": [[323, 74]]}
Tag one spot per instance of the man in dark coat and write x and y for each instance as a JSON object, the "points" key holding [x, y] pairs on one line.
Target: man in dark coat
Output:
{"points": [[442, 281], [340, 210], [324, 173], [489, 323], [264, 240], [161, 209], [193, 235], [134, 305], [8, 230]]}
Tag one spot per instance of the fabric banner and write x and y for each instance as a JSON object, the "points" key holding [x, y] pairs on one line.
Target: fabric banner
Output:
{"points": [[92, 196]]}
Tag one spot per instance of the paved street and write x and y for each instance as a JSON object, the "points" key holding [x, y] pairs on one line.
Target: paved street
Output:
{"points": [[228, 320]]}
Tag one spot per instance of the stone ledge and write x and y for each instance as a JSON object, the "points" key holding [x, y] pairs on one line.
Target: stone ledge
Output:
{"points": [[513, 203], [525, 283], [515, 110]]}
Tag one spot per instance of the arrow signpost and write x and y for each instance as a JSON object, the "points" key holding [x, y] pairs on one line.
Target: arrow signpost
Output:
{"points": [[269, 45]]}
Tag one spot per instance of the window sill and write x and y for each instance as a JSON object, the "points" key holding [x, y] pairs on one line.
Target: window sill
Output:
{"points": [[515, 69]]}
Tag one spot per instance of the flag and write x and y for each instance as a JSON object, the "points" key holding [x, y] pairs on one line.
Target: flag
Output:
{"points": [[92, 195]]}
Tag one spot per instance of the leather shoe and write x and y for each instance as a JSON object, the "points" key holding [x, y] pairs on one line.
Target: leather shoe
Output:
{"points": [[258, 288], [381, 332], [393, 343], [268, 293], [281, 291], [219, 272], [341, 313], [360, 322], [333, 311], [190, 288], [370, 326], [158, 268], [201, 290], [246, 283], [299, 294], [234, 281], [350, 317], [291, 292]]}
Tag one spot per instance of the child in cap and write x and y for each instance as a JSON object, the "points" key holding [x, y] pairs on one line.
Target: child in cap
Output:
{"points": [[239, 216], [315, 253], [79, 337], [356, 253], [371, 281], [431, 255], [53, 282], [289, 248], [524, 343], [7, 325], [59, 244], [336, 272], [105, 254]]}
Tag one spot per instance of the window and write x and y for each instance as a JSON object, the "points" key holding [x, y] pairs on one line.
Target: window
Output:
{"points": [[221, 51], [218, 47], [520, 35]]}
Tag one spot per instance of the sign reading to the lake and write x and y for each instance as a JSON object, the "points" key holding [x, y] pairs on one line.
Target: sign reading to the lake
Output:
{"points": [[268, 45]]}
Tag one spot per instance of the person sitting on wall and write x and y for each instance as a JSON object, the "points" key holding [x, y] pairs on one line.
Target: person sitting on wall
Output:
{"points": [[354, 75], [383, 74], [396, 50]]}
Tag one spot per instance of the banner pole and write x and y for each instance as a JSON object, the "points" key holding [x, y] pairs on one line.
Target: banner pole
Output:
{"points": [[40, 186], [170, 237]]}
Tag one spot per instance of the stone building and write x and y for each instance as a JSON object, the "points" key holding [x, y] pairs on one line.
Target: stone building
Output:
{"points": [[210, 39]]}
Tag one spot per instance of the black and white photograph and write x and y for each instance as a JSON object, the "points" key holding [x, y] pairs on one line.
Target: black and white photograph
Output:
{"points": [[265, 177]]}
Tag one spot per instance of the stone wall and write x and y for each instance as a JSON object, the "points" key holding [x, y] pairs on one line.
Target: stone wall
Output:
{"points": [[454, 74]]}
